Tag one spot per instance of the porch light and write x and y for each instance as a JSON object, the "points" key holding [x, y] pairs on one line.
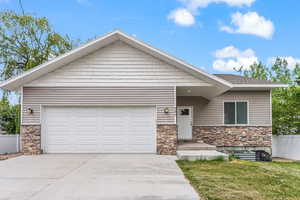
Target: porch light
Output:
{"points": [[30, 110], [166, 110]]}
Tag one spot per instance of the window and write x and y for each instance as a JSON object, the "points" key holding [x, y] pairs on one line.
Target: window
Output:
{"points": [[184, 111], [236, 112], [229, 112]]}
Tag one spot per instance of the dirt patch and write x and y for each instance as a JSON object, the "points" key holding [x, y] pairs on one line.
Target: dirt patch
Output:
{"points": [[282, 160], [9, 155]]}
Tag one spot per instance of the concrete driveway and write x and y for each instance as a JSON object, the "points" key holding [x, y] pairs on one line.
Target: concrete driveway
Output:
{"points": [[93, 176]]}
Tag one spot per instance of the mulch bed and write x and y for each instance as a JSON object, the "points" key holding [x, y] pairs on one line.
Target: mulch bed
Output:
{"points": [[9, 155]]}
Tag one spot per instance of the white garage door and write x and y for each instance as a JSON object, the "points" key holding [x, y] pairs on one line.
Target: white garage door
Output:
{"points": [[98, 130]]}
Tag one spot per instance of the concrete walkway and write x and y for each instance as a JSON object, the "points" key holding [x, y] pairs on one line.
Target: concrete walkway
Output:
{"points": [[93, 177]]}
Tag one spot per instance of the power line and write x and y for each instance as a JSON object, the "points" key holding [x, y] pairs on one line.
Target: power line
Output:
{"points": [[21, 6]]}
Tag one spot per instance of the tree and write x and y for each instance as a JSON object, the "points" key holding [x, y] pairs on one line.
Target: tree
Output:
{"points": [[281, 72], [9, 117], [297, 74], [286, 111], [286, 101], [258, 71], [27, 41]]}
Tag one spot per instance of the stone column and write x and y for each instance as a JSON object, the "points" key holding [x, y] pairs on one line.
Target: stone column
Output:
{"points": [[166, 139], [31, 139]]}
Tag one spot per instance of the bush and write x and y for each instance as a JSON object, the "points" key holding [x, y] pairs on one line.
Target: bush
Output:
{"points": [[9, 117]]}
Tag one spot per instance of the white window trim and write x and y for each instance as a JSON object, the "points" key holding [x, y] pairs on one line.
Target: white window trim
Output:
{"points": [[235, 103]]}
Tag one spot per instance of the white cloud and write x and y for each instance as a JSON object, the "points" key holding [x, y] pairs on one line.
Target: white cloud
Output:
{"points": [[186, 16], [182, 17], [292, 62], [230, 58], [231, 51], [195, 4], [250, 23]]}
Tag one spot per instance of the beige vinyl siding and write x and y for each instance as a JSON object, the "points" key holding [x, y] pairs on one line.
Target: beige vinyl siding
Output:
{"points": [[166, 118], [210, 113], [33, 118], [161, 97], [114, 65]]}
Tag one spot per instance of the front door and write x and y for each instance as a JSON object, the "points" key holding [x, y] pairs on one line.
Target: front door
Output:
{"points": [[184, 122]]}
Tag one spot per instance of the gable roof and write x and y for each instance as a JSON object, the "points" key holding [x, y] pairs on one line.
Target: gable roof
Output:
{"points": [[242, 81], [36, 72]]}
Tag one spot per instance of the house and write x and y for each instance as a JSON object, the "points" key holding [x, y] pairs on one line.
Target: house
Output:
{"points": [[117, 94]]}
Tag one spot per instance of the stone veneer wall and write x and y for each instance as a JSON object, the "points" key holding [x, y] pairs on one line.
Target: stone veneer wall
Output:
{"points": [[31, 139], [230, 136], [166, 139]]}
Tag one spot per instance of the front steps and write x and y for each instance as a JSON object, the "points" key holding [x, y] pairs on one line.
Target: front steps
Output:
{"points": [[187, 146], [193, 151], [201, 155]]}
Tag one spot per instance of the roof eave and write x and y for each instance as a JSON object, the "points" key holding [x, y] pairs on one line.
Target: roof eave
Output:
{"points": [[258, 86], [261, 85]]}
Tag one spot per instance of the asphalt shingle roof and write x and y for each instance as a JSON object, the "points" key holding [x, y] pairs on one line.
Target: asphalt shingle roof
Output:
{"points": [[237, 79]]}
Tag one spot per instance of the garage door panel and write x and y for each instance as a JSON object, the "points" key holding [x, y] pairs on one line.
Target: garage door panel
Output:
{"points": [[58, 141], [82, 122], [85, 130], [84, 149], [58, 149], [111, 141], [85, 140], [138, 142], [113, 124], [99, 130], [58, 131], [109, 130], [141, 129], [139, 148]]}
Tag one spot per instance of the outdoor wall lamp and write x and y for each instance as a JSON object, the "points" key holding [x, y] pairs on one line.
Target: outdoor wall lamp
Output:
{"points": [[30, 110], [166, 110]]}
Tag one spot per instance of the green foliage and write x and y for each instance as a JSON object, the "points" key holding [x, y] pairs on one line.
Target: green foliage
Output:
{"points": [[219, 158], [9, 117], [286, 101], [232, 157], [297, 74], [286, 110], [281, 72], [27, 41], [258, 71]]}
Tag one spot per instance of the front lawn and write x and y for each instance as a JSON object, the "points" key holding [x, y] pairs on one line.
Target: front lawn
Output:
{"points": [[244, 179]]}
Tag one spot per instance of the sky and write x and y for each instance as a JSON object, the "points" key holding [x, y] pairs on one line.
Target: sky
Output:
{"points": [[215, 35]]}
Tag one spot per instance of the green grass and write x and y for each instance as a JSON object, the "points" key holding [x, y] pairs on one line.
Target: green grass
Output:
{"points": [[217, 180]]}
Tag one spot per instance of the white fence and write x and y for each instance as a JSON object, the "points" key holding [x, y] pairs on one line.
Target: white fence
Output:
{"points": [[9, 144], [286, 146]]}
